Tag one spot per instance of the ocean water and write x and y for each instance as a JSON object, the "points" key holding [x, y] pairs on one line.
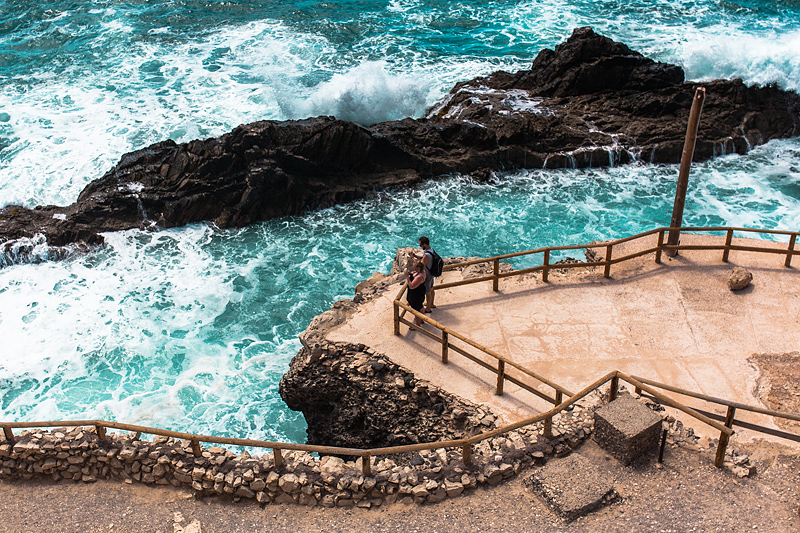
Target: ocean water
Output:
{"points": [[192, 328]]}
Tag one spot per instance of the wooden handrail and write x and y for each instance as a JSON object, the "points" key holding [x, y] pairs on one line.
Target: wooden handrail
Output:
{"points": [[658, 249], [187, 436], [546, 415], [487, 351], [725, 430], [326, 450], [622, 240], [672, 403], [606, 263], [466, 443], [720, 401]]}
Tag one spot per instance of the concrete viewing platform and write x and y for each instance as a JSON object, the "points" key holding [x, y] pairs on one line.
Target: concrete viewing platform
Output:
{"points": [[676, 322]]}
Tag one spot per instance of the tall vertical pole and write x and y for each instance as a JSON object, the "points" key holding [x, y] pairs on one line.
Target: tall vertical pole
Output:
{"points": [[686, 165]]}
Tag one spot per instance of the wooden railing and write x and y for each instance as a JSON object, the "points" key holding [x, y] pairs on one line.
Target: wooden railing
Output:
{"points": [[464, 444], [446, 340], [501, 362], [730, 416], [609, 259]]}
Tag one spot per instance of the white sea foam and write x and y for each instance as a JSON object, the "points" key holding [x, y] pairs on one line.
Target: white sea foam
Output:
{"points": [[366, 94], [69, 129], [758, 59]]}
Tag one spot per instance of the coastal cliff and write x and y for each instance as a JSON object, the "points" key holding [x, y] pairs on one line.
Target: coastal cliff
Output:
{"points": [[590, 102]]}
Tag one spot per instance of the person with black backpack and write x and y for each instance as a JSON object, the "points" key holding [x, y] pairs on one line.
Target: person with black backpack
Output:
{"points": [[433, 269]]}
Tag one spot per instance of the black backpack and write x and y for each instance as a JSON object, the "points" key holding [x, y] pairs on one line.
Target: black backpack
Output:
{"points": [[437, 263]]}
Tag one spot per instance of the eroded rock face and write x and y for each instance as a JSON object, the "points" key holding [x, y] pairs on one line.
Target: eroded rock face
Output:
{"points": [[590, 102], [353, 397]]}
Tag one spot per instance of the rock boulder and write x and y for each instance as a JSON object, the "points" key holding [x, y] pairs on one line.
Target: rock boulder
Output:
{"points": [[739, 279]]}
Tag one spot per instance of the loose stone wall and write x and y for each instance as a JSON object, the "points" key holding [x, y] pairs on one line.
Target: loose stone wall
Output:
{"points": [[77, 454]]}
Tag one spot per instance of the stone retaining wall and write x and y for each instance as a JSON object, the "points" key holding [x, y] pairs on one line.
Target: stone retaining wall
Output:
{"points": [[78, 454]]}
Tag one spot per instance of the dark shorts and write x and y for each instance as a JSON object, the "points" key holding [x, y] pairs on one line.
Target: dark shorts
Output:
{"points": [[428, 282]]}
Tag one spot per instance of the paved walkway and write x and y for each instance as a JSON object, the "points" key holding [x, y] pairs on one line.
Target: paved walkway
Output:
{"points": [[677, 323]]}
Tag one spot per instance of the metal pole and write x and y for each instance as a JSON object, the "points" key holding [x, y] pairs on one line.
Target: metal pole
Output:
{"points": [[686, 164]]}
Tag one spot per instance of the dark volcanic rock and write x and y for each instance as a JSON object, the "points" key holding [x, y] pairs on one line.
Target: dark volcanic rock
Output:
{"points": [[352, 397], [590, 102], [589, 63]]}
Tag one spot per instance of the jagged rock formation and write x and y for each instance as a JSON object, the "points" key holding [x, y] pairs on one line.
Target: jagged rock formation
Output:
{"points": [[352, 397], [589, 102]]}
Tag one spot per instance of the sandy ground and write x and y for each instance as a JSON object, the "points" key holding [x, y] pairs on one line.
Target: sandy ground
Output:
{"points": [[685, 493]]}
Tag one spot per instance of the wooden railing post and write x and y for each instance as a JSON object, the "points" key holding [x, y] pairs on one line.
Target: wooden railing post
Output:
{"points": [[548, 427], [9, 433], [726, 252], [466, 454], [396, 318], [607, 272], [792, 241], [612, 390], [196, 450], [278, 457], [366, 468], [101, 432], [719, 460], [559, 397], [546, 270], [445, 342], [501, 376], [496, 273], [660, 244]]}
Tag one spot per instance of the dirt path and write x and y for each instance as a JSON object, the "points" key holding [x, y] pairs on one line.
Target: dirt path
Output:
{"points": [[684, 494]]}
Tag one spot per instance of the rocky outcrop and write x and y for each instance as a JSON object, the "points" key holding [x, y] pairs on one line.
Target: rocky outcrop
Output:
{"points": [[353, 397], [590, 102]]}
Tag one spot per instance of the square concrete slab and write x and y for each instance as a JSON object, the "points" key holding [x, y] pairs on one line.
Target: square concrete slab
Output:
{"points": [[572, 486], [626, 428]]}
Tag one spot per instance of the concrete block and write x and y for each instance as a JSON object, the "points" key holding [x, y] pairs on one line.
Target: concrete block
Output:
{"points": [[626, 429]]}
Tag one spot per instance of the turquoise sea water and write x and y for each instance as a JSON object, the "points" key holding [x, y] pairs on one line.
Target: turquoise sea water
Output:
{"points": [[192, 328]]}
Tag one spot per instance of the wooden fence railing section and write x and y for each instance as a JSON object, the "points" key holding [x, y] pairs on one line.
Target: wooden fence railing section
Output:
{"points": [[608, 260], [501, 368]]}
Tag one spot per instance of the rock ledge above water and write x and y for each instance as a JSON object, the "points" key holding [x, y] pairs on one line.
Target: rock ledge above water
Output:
{"points": [[590, 102]]}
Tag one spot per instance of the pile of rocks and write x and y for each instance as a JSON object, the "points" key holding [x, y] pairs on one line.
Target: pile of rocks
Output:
{"points": [[353, 397], [427, 477]]}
